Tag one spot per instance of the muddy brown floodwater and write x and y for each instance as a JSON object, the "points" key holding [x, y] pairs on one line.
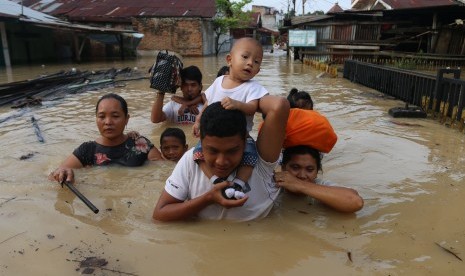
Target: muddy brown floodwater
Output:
{"points": [[409, 171]]}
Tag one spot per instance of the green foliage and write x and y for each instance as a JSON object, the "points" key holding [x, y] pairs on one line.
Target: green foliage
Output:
{"points": [[230, 15], [316, 13]]}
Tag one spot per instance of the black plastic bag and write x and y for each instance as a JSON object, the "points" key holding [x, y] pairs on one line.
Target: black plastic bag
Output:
{"points": [[166, 72]]}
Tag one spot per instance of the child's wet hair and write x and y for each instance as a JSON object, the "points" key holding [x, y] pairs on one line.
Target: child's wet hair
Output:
{"points": [[223, 71], [174, 132], [220, 122]]}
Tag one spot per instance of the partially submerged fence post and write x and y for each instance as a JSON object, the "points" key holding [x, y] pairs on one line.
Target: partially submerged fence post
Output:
{"points": [[442, 97]]}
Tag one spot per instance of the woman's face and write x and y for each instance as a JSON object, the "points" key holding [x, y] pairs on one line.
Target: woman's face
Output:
{"points": [[111, 119], [302, 166]]}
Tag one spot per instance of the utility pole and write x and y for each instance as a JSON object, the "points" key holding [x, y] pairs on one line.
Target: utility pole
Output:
{"points": [[303, 6], [288, 7]]}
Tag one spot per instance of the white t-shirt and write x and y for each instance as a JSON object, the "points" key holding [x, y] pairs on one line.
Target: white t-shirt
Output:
{"points": [[246, 92], [188, 181], [171, 112]]}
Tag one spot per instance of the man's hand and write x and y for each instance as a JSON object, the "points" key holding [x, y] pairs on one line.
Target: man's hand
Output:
{"points": [[217, 196], [133, 134]]}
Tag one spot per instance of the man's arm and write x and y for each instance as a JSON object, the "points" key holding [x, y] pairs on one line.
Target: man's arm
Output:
{"points": [[339, 198], [158, 115], [271, 136], [169, 208]]}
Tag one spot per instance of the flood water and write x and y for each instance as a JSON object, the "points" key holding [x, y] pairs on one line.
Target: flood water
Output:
{"points": [[409, 172]]}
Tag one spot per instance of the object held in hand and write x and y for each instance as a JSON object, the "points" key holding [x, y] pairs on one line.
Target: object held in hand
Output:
{"points": [[78, 194], [166, 73], [237, 191]]}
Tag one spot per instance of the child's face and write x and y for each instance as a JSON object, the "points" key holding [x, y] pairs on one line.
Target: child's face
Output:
{"points": [[244, 60], [172, 148], [302, 166]]}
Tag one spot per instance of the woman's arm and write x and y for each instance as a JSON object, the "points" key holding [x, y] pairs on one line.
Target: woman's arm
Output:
{"points": [[342, 199], [65, 171]]}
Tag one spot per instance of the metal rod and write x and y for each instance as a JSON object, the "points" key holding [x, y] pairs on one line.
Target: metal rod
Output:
{"points": [[81, 196]]}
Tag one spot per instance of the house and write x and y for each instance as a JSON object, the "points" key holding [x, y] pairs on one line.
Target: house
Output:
{"points": [[256, 30], [425, 31], [183, 26], [361, 5], [29, 36], [271, 18]]}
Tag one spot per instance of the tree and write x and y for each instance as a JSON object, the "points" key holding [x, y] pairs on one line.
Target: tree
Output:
{"points": [[229, 15]]}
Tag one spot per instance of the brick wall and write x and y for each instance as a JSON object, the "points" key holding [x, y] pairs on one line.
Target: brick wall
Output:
{"points": [[183, 35]]}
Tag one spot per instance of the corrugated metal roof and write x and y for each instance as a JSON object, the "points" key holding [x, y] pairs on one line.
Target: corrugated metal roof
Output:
{"points": [[412, 4], [309, 18], [123, 10], [404, 4], [10, 9]]}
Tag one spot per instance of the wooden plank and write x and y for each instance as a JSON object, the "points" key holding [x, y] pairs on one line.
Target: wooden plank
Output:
{"points": [[353, 47]]}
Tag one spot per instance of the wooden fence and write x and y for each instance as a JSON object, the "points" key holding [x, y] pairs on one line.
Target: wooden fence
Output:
{"points": [[441, 97]]}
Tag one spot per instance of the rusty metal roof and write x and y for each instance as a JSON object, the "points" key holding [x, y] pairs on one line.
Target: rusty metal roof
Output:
{"points": [[335, 8], [413, 4], [404, 4], [12, 10], [123, 10]]}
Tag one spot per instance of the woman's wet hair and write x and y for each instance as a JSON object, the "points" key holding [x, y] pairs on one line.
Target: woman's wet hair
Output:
{"points": [[296, 95], [174, 132], [301, 150], [123, 103], [220, 122], [223, 71], [191, 73]]}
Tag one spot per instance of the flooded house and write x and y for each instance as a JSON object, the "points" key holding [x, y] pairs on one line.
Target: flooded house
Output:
{"points": [[29, 36], [182, 26], [420, 31], [256, 27]]}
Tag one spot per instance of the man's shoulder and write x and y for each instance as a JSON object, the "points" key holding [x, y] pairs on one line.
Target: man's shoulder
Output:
{"points": [[187, 160]]}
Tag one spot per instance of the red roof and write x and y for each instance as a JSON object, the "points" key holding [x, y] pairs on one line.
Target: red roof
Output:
{"points": [[336, 8], [123, 10]]}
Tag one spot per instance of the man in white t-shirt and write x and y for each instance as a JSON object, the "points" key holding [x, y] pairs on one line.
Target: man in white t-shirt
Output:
{"points": [[181, 110], [197, 189]]}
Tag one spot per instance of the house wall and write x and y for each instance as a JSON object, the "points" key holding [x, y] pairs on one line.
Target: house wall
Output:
{"points": [[186, 36], [29, 43]]}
